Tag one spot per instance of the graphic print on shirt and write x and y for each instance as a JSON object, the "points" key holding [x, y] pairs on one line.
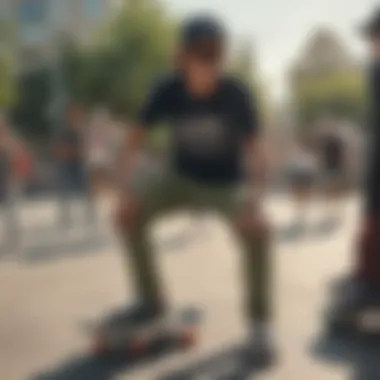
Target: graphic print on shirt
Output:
{"points": [[203, 135]]}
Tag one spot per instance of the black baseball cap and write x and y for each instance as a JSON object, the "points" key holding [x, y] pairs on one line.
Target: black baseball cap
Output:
{"points": [[204, 35], [371, 28]]}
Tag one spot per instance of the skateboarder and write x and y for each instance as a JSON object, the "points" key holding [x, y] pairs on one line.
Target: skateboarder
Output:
{"points": [[101, 148], [73, 172], [215, 153]]}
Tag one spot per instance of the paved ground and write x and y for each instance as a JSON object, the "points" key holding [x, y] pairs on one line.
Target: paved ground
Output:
{"points": [[48, 296]]}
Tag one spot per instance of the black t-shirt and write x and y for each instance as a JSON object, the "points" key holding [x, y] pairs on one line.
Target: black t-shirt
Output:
{"points": [[209, 133]]}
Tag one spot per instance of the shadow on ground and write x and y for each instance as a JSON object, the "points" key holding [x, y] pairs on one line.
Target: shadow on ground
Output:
{"points": [[42, 244], [105, 368], [91, 368], [64, 248], [229, 364], [362, 357]]}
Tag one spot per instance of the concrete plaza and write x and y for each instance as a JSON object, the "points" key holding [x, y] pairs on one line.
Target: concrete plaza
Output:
{"points": [[48, 299]]}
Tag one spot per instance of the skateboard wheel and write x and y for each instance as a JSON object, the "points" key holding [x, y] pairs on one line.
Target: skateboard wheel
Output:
{"points": [[189, 338], [138, 348]]}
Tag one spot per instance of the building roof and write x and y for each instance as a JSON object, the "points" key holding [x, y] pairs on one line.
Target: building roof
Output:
{"points": [[324, 49]]}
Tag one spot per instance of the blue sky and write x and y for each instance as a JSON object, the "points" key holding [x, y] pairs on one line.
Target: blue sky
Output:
{"points": [[279, 28]]}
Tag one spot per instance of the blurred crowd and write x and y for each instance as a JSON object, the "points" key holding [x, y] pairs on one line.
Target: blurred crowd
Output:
{"points": [[82, 162], [84, 154], [86, 147]]}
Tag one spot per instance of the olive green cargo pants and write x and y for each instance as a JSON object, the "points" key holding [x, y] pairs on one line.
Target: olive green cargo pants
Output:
{"points": [[162, 192]]}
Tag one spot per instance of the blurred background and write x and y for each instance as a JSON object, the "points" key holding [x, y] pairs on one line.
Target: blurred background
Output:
{"points": [[305, 61], [91, 63]]}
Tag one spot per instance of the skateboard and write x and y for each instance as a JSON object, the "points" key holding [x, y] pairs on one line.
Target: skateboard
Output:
{"points": [[176, 330], [363, 321]]}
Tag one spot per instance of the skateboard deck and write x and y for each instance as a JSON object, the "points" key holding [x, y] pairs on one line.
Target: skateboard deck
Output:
{"points": [[177, 329]]}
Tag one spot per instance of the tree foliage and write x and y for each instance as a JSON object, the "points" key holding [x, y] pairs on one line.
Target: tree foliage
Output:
{"points": [[131, 53], [115, 70], [340, 95], [7, 78], [30, 114], [244, 67]]}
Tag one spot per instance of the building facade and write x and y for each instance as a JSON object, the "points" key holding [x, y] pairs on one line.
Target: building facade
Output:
{"points": [[323, 54], [326, 55], [41, 24]]}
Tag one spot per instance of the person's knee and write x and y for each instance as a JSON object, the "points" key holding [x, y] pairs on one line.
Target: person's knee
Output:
{"points": [[261, 230], [255, 228], [127, 216]]}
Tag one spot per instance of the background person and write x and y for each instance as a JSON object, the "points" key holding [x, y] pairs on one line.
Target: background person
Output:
{"points": [[302, 176], [9, 187], [72, 168], [332, 152], [101, 133]]}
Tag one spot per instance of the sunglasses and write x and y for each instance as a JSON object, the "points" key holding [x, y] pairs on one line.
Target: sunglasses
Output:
{"points": [[206, 52], [207, 58]]}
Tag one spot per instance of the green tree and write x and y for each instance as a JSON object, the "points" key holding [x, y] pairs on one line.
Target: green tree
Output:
{"points": [[244, 67], [30, 114], [7, 78], [131, 53], [115, 70], [339, 94]]}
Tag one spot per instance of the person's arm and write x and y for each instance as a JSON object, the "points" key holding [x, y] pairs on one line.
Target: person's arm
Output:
{"points": [[154, 110], [257, 157], [132, 147]]}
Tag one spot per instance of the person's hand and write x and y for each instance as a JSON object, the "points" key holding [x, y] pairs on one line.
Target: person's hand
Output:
{"points": [[127, 210], [251, 217]]}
